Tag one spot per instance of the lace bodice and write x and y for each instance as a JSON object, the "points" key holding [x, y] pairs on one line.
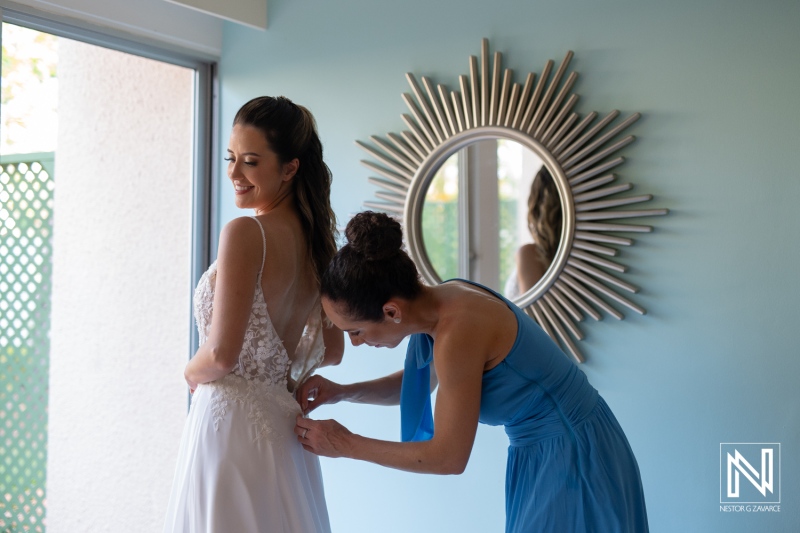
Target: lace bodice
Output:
{"points": [[264, 363], [263, 358]]}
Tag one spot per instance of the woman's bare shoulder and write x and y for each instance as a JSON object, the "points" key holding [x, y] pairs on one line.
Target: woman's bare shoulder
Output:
{"points": [[238, 235], [475, 325], [471, 310], [243, 223]]}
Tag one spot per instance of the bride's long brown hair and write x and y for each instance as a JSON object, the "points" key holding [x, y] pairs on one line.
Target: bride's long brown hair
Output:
{"points": [[544, 215], [291, 132]]}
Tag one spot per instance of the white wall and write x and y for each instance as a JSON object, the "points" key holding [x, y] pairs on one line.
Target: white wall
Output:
{"points": [[121, 289]]}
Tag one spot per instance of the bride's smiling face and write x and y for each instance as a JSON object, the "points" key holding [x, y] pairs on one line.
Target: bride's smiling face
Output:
{"points": [[260, 180]]}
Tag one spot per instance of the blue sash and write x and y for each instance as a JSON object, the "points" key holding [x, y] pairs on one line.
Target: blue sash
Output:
{"points": [[416, 416]]}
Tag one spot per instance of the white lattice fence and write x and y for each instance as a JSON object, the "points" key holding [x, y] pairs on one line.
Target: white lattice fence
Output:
{"points": [[26, 206]]}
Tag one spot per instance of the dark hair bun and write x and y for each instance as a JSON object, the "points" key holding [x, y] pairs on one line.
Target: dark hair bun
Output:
{"points": [[376, 236]]}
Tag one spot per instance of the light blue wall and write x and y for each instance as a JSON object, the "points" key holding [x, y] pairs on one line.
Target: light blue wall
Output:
{"points": [[714, 360]]}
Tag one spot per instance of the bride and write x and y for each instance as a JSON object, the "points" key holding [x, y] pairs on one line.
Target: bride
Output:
{"points": [[240, 467]]}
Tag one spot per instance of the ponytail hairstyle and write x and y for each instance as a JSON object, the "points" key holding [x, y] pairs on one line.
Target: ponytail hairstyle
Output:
{"points": [[371, 268], [544, 215], [291, 132]]}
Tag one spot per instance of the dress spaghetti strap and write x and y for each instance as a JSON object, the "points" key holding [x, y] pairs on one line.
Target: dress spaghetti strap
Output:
{"points": [[263, 248]]}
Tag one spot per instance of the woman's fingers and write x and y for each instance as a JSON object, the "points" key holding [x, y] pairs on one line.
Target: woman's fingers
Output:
{"points": [[322, 437], [307, 403], [308, 400], [315, 391], [308, 392], [302, 425]]}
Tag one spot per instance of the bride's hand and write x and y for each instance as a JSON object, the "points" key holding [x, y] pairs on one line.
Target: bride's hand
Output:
{"points": [[192, 385], [316, 391], [323, 437]]}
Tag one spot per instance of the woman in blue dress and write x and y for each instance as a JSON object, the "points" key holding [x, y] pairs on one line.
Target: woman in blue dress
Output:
{"points": [[570, 467]]}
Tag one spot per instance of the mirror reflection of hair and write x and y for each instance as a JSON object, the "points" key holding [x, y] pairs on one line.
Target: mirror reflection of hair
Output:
{"points": [[544, 224]]}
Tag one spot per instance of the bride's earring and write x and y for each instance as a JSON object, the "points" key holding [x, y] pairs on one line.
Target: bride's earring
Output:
{"points": [[397, 320]]}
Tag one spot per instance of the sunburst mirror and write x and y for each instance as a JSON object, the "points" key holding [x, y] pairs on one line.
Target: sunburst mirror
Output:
{"points": [[462, 179]]}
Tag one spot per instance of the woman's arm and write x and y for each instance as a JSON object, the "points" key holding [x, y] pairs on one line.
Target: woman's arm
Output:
{"points": [[238, 262], [317, 390], [459, 366], [381, 391]]}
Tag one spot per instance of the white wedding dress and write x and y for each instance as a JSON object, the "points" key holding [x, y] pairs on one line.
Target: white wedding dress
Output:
{"points": [[240, 468]]}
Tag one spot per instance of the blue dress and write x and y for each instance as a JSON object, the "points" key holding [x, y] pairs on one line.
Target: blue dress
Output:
{"points": [[570, 467]]}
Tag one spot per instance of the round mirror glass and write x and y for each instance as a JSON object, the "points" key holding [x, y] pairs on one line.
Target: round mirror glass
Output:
{"points": [[481, 222]]}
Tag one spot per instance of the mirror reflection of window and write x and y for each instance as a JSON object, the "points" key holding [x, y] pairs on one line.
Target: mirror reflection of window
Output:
{"points": [[440, 231], [490, 182], [516, 167]]}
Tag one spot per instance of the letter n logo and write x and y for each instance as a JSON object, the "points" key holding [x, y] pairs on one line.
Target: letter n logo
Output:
{"points": [[749, 472]]}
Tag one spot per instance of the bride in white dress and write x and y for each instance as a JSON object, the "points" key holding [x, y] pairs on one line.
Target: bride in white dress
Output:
{"points": [[240, 467]]}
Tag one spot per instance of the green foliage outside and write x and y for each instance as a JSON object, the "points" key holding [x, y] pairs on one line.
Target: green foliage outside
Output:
{"points": [[508, 238], [440, 236], [29, 94]]}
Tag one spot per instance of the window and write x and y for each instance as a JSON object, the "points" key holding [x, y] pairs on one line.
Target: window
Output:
{"points": [[104, 227]]}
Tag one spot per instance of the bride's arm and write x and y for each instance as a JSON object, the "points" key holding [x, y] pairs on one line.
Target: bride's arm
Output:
{"points": [[238, 262], [333, 338]]}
